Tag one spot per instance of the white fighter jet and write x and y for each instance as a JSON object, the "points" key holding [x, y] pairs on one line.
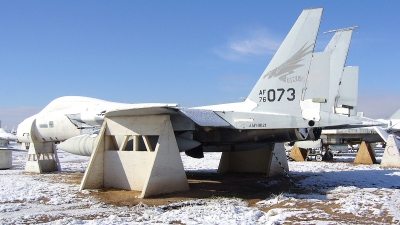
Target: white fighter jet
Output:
{"points": [[7, 135], [276, 110]]}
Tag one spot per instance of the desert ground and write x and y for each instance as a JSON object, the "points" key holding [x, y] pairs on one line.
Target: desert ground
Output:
{"points": [[337, 192]]}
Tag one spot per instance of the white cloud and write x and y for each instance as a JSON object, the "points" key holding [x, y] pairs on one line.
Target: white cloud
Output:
{"points": [[258, 46], [255, 43]]}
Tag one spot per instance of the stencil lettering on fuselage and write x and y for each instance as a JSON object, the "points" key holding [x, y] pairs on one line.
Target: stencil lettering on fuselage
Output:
{"points": [[278, 94]]}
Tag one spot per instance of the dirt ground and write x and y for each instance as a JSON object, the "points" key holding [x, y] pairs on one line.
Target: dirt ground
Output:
{"points": [[250, 187]]}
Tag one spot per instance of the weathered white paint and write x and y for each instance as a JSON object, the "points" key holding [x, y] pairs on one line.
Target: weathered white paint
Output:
{"points": [[391, 156], [310, 110], [154, 171]]}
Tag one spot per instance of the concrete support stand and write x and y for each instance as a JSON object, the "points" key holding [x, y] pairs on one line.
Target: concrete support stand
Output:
{"points": [[277, 167], [5, 155], [298, 154], [3, 144], [24, 146], [391, 156], [261, 160], [366, 154], [42, 157], [5, 159], [153, 170]]}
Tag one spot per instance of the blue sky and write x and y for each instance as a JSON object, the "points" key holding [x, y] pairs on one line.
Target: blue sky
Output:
{"points": [[188, 52]]}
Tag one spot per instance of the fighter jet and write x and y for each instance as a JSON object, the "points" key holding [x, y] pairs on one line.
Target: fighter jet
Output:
{"points": [[392, 124], [370, 134], [7, 135], [276, 110]]}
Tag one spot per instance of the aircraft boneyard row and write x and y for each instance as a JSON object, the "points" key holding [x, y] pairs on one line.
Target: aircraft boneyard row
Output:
{"points": [[294, 99], [7, 136]]}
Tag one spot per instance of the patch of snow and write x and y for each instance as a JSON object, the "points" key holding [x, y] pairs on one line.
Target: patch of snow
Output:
{"points": [[364, 191]]}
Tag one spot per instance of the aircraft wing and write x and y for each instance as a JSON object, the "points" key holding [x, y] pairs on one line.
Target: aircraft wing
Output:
{"points": [[365, 122], [384, 135], [202, 117], [143, 109]]}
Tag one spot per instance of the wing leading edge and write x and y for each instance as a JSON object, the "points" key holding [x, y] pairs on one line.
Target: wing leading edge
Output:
{"points": [[202, 117]]}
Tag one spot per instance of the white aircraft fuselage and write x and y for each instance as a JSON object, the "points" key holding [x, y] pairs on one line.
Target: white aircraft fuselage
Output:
{"points": [[67, 117]]}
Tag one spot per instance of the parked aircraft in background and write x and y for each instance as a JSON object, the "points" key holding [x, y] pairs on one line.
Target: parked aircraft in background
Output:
{"points": [[357, 135], [276, 110], [7, 135], [392, 124], [374, 133], [341, 138], [342, 82], [331, 138], [385, 132]]}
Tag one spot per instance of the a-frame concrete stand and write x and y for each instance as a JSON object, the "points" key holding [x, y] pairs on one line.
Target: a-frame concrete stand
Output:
{"points": [[366, 154], [298, 154], [42, 156], [262, 160], [154, 170], [391, 156]]}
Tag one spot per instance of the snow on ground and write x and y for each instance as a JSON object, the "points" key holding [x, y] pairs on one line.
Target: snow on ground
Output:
{"points": [[325, 193]]}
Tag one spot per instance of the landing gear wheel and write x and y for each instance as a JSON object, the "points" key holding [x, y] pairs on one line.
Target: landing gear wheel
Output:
{"points": [[318, 157], [328, 156]]}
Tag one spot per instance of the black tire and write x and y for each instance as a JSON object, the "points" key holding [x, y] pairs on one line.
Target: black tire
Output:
{"points": [[328, 156]]}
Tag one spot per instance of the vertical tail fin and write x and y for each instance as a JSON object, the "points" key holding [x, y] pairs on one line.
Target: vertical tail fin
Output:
{"points": [[395, 121], [328, 78], [279, 88], [339, 48], [346, 102], [396, 115], [317, 84]]}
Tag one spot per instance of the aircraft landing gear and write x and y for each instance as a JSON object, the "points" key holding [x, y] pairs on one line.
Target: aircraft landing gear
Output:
{"points": [[319, 155]]}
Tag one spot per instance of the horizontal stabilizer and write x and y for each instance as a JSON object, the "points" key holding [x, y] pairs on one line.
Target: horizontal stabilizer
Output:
{"points": [[204, 117]]}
